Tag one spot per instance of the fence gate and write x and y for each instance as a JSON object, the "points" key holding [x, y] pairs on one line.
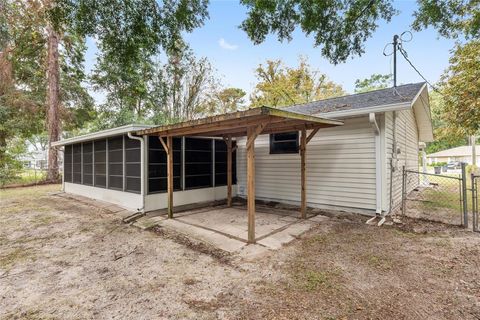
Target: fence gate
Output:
{"points": [[435, 197], [475, 181]]}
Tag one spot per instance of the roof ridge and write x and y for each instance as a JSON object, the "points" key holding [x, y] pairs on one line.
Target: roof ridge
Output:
{"points": [[353, 94]]}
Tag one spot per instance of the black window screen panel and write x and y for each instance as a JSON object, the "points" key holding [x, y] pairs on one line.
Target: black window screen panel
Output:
{"points": [[198, 163], [286, 142], [88, 163], [133, 165], [115, 163], [100, 158], [67, 164], [221, 163], [77, 163], [157, 165]]}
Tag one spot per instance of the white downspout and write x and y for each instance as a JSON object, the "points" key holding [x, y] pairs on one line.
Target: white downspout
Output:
{"points": [[142, 168], [378, 162]]}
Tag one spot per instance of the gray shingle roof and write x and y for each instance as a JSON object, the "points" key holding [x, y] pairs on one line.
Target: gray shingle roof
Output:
{"points": [[402, 93]]}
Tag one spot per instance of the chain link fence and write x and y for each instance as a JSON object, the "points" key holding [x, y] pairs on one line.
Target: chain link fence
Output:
{"points": [[475, 182], [26, 176], [435, 197]]}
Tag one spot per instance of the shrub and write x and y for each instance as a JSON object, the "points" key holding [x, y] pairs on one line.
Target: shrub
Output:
{"points": [[471, 168]]}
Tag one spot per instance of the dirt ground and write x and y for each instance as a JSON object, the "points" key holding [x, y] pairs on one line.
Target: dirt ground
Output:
{"points": [[62, 259]]}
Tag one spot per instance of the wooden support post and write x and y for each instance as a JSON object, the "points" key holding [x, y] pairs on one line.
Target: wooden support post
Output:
{"points": [[229, 171], [303, 149], [251, 183], [170, 175]]}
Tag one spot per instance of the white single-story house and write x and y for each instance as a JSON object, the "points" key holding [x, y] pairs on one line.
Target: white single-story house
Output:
{"points": [[357, 146], [461, 154]]}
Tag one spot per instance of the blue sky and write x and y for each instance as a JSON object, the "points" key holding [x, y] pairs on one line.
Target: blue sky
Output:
{"points": [[235, 57]]}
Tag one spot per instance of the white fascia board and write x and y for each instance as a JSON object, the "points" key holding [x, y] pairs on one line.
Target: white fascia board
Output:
{"points": [[366, 111], [102, 134]]}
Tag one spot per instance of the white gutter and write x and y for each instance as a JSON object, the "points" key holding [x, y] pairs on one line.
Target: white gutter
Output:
{"points": [[101, 134], [142, 168], [378, 162]]}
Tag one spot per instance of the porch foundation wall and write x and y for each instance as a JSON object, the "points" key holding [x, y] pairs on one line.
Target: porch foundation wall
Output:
{"points": [[127, 200], [180, 198]]}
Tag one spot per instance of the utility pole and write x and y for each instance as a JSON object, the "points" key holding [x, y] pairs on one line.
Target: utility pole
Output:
{"points": [[395, 47]]}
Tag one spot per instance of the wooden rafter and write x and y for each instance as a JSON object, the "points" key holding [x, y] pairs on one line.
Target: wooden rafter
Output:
{"points": [[255, 131], [165, 147], [312, 134]]}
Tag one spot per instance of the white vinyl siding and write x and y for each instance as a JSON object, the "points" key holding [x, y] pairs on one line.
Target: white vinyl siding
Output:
{"points": [[407, 142], [340, 168]]}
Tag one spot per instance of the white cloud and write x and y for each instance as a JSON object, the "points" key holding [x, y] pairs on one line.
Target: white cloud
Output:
{"points": [[227, 46]]}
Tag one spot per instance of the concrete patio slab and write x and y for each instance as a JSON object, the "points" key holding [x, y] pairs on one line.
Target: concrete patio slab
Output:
{"points": [[224, 227]]}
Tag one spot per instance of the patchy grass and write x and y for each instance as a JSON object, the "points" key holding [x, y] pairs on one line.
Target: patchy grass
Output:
{"points": [[28, 176], [15, 256], [29, 315], [59, 258], [380, 262], [312, 280]]}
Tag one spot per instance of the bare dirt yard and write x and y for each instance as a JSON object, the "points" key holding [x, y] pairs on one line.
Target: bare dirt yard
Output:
{"points": [[63, 259]]}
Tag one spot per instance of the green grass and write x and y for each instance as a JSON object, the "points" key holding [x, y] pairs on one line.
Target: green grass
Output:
{"points": [[27, 176], [9, 259]]}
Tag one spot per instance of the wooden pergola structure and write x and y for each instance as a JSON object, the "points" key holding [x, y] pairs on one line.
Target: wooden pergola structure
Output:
{"points": [[250, 123]]}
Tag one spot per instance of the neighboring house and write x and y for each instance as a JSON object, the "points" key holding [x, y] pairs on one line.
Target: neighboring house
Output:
{"points": [[462, 154], [354, 162], [36, 159]]}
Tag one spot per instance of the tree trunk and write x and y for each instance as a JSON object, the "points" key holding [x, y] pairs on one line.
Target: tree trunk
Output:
{"points": [[53, 103]]}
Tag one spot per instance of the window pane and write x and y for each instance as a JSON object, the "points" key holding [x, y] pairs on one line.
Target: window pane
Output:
{"points": [[221, 163], [87, 163], [284, 143], [133, 184], [115, 163], [100, 158], [77, 163], [67, 164], [198, 163], [157, 165]]}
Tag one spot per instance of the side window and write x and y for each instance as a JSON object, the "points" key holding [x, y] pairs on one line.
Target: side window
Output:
{"points": [[198, 163], [115, 163], [221, 163], [286, 142], [157, 165], [133, 168], [67, 163], [77, 163], [100, 159], [87, 163]]}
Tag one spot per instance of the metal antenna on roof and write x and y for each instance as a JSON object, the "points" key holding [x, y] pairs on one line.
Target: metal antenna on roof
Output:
{"points": [[397, 45]]}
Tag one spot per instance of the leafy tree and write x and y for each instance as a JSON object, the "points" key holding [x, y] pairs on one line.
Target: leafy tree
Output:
{"points": [[45, 68], [374, 82], [445, 137], [182, 87], [153, 92], [452, 18], [341, 28], [225, 100], [461, 89], [279, 85], [126, 30]]}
